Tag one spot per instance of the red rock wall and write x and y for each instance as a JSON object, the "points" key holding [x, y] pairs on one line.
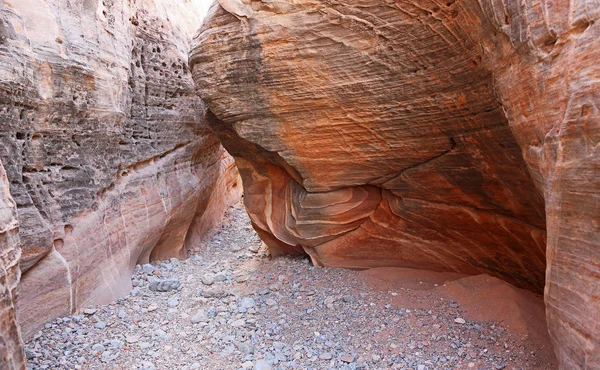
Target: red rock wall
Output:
{"points": [[454, 135], [105, 144], [12, 356]]}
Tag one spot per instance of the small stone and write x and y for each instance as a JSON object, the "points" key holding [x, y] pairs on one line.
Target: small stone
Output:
{"points": [[152, 307], [325, 356], [148, 268], [270, 302], [173, 302], [159, 285], [90, 311], [421, 367], [196, 258], [246, 347], [100, 325], [255, 248], [199, 317], [98, 347], [459, 320], [329, 300], [262, 365], [132, 338], [247, 302], [116, 344], [350, 299], [219, 278], [347, 358], [207, 279], [241, 278]]}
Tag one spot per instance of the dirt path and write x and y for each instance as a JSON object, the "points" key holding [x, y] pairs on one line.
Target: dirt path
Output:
{"points": [[233, 308]]}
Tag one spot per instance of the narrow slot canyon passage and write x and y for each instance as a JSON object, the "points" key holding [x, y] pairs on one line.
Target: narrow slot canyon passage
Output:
{"points": [[299, 184], [232, 307]]}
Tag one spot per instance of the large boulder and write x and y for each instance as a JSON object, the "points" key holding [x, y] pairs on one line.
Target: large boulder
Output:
{"points": [[12, 356], [456, 135], [105, 145]]}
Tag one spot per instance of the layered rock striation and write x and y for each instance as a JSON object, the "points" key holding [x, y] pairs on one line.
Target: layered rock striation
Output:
{"points": [[106, 148], [12, 356], [447, 135]]}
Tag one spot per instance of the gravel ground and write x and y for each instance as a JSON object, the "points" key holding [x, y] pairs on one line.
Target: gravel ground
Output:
{"points": [[233, 308]]}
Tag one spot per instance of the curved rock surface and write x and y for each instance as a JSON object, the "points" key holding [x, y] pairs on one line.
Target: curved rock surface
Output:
{"points": [[447, 135], [12, 356], [105, 145]]}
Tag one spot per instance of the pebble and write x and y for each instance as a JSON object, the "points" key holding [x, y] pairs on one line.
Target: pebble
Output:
{"points": [[247, 302], [262, 365], [221, 277], [98, 348], [255, 248], [326, 356], [100, 325], [148, 269], [347, 358], [350, 299], [173, 302], [160, 285], [199, 317], [242, 311], [208, 279]]}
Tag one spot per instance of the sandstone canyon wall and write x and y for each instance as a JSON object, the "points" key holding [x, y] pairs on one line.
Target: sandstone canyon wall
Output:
{"points": [[456, 135], [105, 145], [11, 351]]}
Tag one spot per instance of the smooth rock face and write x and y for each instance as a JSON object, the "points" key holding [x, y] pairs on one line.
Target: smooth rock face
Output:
{"points": [[455, 135], [105, 145], [12, 356]]}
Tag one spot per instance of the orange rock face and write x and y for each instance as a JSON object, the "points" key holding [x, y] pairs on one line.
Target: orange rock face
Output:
{"points": [[456, 136]]}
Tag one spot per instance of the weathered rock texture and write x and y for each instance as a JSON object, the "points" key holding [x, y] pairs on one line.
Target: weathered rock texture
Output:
{"points": [[104, 141], [11, 348], [453, 135]]}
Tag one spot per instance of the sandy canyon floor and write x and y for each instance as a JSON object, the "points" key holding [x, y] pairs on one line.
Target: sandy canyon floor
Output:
{"points": [[231, 307]]}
